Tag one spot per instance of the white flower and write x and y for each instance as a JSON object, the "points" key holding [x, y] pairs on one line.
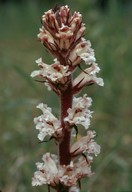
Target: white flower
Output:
{"points": [[88, 76], [82, 102], [86, 144], [55, 73], [82, 168], [47, 171], [79, 113], [74, 172], [86, 53], [51, 173], [47, 123], [82, 51]]}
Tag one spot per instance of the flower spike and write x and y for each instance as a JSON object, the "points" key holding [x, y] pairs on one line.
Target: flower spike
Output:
{"points": [[62, 34]]}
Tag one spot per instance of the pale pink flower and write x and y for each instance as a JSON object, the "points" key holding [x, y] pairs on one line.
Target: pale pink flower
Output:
{"points": [[51, 173], [88, 76], [47, 171], [86, 53], [82, 168], [79, 113], [86, 144], [74, 172], [82, 102], [47, 123], [82, 51]]}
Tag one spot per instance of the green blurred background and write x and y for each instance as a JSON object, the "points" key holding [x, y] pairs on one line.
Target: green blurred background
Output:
{"points": [[110, 31]]}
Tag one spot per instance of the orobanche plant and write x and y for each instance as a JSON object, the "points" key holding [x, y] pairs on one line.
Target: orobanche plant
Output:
{"points": [[62, 34]]}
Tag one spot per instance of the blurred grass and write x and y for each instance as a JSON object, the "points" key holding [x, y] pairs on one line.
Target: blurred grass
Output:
{"points": [[110, 34]]}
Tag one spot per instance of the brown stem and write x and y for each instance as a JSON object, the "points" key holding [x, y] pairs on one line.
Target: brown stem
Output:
{"points": [[64, 146]]}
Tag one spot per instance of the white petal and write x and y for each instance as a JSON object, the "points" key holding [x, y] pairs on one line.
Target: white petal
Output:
{"points": [[74, 189], [47, 123], [79, 113]]}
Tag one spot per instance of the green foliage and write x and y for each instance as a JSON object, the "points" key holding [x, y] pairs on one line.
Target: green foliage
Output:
{"points": [[110, 34]]}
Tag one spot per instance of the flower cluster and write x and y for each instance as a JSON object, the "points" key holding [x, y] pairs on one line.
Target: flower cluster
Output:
{"points": [[62, 33], [52, 173]]}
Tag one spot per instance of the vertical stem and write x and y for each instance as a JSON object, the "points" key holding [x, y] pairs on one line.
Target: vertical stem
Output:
{"points": [[64, 146]]}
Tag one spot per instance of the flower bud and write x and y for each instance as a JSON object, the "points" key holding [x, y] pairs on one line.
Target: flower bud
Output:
{"points": [[61, 31]]}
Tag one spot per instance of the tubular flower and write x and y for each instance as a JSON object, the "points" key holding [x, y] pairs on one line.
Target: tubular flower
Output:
{"points": [[82, 51], [53, 74], [47, 171], [87, 77], [47, 123], [86, 144], [56, 72], [79, 113], [51, 173], [74, 172]]}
